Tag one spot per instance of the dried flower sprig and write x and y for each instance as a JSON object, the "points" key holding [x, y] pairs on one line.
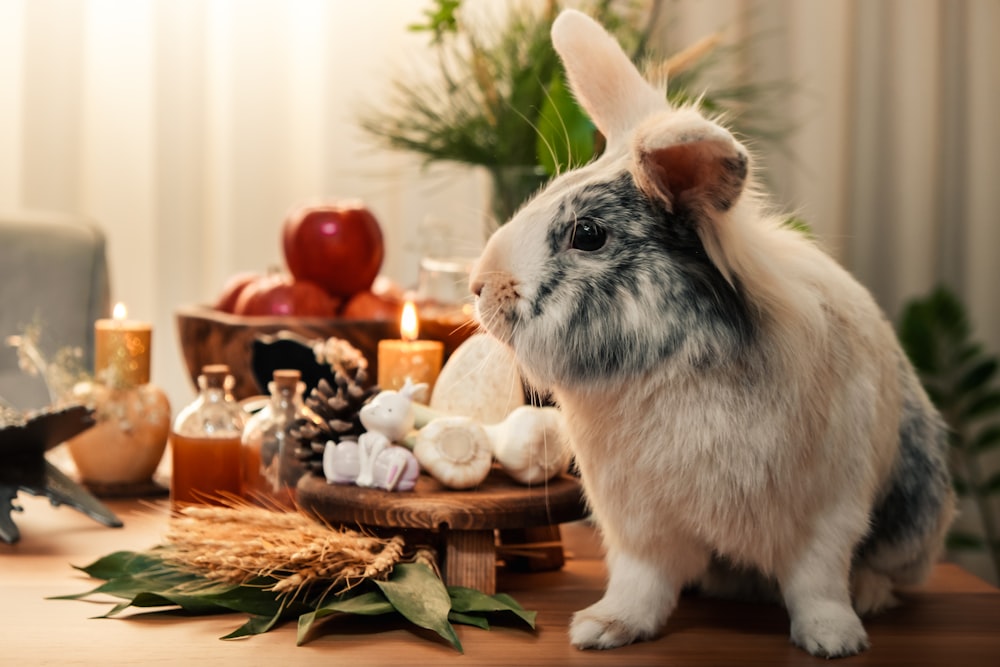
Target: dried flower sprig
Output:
{"points": [[59, 375]]}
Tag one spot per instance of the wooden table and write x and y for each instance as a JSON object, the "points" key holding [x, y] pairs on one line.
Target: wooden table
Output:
{"points": [[955, 621]]}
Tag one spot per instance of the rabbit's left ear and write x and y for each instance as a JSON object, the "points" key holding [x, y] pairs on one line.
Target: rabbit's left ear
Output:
{"points": [[605, 82], [689, 163]]}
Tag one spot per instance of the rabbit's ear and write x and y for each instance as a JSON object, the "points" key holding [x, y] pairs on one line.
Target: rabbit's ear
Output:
{"points": [[605, 82], [689, 163], [692, 165]]}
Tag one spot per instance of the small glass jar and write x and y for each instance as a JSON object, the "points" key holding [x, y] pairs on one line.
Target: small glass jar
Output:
{"points": [[205, 443], [270, 469], [446, 305]]}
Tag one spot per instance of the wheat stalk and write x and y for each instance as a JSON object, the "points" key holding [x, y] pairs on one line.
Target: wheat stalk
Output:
{"points": [[239, 544]]}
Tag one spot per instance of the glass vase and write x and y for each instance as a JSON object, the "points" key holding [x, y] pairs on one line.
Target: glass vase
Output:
{"points": [[510, 187]]}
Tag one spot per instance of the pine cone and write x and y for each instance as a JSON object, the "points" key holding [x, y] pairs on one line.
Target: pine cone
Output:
{"points": [[338, 407]]}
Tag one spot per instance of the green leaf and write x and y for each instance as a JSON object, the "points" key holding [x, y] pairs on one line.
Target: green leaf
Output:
{"points": [[960, 486], [421, 597], [369, 603], [121, 563], [190, 604], [986, 439], [506, 599], [958, 541], [440, 19], [916, 334], [949, 314], [800, 225], [255, 625], [983, 405], [565, 132], [992, 485], [941, 399], [117, 609], [149, 599], [469, 619], [251, 598], [470, 600], [978, 375], [968, 352], [126, 586], [75, 596]]}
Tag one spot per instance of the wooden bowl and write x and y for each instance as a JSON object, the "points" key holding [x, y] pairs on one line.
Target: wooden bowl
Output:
{"points": [[208, 336]]}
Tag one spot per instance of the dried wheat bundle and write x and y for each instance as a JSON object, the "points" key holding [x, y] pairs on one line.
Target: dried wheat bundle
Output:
{"points": [[240, 543]]}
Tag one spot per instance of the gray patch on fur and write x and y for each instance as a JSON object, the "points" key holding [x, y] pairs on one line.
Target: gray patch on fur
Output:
{"points": [[653, 274], [907, 520]]}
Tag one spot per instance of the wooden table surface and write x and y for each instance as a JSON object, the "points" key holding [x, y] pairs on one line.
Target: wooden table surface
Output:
{"points": [[955, 621]]}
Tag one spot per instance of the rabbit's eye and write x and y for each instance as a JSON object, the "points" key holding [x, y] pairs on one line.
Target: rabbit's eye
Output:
{"points": [[588, 236]]}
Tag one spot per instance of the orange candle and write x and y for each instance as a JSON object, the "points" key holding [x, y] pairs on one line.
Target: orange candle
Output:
{"points": [[121, 350], [418, 360]]}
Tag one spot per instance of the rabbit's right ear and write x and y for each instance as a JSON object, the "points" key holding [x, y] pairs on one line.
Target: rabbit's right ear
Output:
{"points": [[605, 82], [689, 163]]}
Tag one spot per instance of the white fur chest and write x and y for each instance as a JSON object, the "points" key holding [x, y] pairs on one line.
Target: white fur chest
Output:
{"points": [[734, 470]]}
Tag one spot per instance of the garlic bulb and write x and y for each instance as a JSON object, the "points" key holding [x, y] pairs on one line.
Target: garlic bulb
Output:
{"points": [[455, 451], [530, 444]]}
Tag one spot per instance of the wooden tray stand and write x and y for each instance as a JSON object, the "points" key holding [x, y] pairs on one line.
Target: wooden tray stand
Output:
{"points": [[466, 522]]}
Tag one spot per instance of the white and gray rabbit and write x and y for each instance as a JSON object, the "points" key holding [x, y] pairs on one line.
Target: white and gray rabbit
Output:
{"points": [[735, 400]]}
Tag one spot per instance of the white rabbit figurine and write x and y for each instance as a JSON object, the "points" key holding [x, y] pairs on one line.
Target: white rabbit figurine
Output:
{"points": [[735, 400], [374, 460]]}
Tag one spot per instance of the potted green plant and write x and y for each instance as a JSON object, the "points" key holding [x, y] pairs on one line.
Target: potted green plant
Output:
{"points": [[960, 377], [496, 97]]}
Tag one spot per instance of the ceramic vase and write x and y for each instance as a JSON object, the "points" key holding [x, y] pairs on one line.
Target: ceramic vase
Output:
{"points": [[125, 446]]}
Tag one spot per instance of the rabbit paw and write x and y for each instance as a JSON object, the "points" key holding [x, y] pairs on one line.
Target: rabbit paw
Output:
{"points": [[597, 627], [829, 630], [872, 592]]}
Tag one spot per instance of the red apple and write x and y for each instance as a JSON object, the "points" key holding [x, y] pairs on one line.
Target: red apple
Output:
{"points": [[231, 290], [386, 287], [337, 245], [280, 294], [368, 305]]}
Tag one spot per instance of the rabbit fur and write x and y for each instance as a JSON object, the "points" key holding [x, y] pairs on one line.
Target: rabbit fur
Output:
{"points": [[736, 402]]}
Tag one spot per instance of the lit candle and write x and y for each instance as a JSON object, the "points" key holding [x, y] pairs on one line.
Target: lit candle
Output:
{"points": [[418, 360], [121, 350]]}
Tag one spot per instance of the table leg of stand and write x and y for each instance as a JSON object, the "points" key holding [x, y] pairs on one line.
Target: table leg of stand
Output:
{"points": [[470, 559]]}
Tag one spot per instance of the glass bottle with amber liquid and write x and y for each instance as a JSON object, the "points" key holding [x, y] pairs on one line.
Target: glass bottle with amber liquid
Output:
{"points": [[270, 467], [205, 442]]}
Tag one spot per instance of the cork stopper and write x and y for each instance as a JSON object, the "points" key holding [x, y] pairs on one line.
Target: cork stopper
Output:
{"points": [[287, 378], [215, 375]]}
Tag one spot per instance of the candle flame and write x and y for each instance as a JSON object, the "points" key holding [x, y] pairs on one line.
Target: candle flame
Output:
{"points": [[409, 326], [119, 312]]}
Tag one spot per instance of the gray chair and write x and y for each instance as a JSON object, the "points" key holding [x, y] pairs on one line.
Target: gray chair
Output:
{"points": [[53, 273]]}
